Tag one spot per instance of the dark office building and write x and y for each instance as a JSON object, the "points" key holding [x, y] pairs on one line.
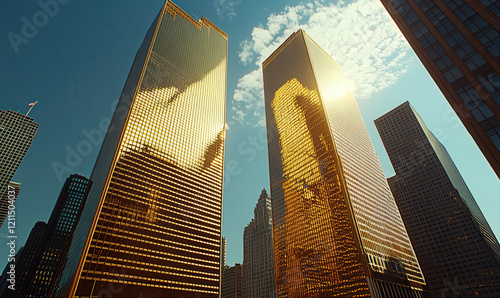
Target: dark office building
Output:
{"points": [[458, 41], [151, 226], [46, 246], [336, 227], [63, 219], [6, 280], [457, 250], [26, 260], [232, 282], [258, 257]]}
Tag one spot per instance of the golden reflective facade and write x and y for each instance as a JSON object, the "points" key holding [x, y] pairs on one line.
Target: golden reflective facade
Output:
{"points": [[337, 229], [152, 223]]}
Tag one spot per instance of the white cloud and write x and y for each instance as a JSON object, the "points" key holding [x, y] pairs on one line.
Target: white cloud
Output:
{"points": [[225, 8], [246, 55], [359, 35], [239, 115]]}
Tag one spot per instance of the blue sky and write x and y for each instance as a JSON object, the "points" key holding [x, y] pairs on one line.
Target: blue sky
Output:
{"points": [[76, 63]]}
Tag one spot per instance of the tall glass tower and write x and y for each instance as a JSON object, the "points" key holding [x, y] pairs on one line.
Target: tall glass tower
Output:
{"points": [[337, 229], [152, 222], [458, 252], [458, 41], [17, 131], [25, 260], [37, 280]]}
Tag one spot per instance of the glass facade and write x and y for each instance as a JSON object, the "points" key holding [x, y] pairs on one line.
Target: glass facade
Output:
{"points": [[337, 229], [53, 249], [26, 259], [458, 41], [458, 252], [17, 131], [152, 224]]}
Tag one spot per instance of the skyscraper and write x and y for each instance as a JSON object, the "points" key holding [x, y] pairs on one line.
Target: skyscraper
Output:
{"points": [[223, 252], [457, 250], [258, 259], [40, 274], [231, 286], [152, 221], [459, 44], [25, 260], [17, 131], [4, 281], [337, 229]]}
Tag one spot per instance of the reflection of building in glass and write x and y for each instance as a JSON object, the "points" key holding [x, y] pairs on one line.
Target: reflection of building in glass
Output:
{"points": [[459, 44], [152, 222], [232, 282], [457, 250], [258, 260], [337, 229], [17, 131]]}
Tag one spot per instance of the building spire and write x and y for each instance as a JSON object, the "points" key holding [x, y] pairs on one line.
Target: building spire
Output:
{"points": [[263, 195], [31, 107]]}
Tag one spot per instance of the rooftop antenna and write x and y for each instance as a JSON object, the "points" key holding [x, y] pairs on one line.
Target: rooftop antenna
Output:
{"points": [[31, 106]]}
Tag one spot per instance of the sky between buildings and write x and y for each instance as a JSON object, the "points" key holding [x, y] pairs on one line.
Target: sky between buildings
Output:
{"points": [[76, 60]]}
